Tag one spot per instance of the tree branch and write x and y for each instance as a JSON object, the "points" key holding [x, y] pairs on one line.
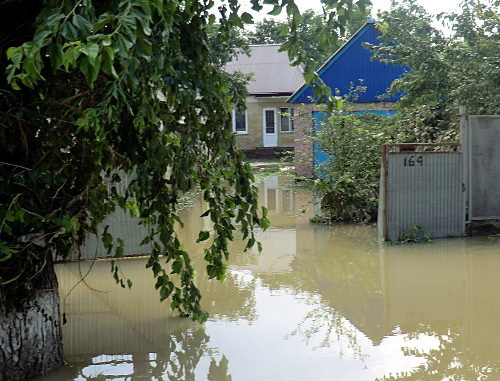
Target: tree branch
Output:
{"points": [[67, 100], [5, 2]]}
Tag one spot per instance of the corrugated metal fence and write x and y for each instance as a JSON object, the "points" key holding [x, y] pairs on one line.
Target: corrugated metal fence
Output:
{"points": [[121, 225], [481, 139], [421, 190]]}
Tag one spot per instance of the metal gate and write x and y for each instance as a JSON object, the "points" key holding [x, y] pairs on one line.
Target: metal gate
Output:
{"points": [[422, 187], [481, 139]]}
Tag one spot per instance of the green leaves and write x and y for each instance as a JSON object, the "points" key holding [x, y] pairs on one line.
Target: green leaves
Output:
{"points": [[203, 236], [55, 52], [79, 39], [447, 70], [91, 50], [310, 38], [6, 252], [128, 88], [145, 6], [107, 61], [349, 179], [275, 11], [69, 32], [247, 18], [90, 65], [82, 25]]}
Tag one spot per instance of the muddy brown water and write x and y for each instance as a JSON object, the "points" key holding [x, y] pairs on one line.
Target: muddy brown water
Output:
{"points": [[319, 303]]}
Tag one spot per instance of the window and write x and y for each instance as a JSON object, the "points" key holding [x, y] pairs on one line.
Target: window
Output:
{"points": [[286, 119], [240, 122]]}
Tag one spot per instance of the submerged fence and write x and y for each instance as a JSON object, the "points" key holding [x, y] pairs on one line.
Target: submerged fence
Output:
{"points": [[421, 190], [441, 187]]}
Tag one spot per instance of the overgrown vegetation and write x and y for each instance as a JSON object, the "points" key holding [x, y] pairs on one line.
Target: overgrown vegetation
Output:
{"points": [[349, 178], [414, 234], [99, 92], [453, 64], [313, 32], [93, 93], [453, 60]]}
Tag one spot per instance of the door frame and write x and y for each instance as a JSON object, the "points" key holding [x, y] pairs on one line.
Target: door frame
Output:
{"points": [[269, 140]]}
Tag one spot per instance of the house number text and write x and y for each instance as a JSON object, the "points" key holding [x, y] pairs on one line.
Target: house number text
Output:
{"points": [[412, 161]]}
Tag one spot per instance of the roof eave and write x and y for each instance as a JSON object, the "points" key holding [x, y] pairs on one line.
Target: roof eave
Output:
{"points": [[334, 57]]}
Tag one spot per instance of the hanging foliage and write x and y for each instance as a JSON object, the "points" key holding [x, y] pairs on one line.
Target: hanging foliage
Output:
{"points": [[96, 91]]}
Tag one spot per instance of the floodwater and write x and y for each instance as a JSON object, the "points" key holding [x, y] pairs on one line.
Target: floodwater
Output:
{"points": [[319, 303]]}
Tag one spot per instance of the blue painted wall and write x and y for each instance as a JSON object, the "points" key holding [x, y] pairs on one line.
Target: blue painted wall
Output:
{"points": [[352, 63], [320, 157]]}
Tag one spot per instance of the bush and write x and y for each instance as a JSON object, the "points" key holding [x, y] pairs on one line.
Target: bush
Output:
{"points": [[349, 179]]}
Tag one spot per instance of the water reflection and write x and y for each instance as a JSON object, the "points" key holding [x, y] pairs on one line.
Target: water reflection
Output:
{"points": [[321, 302]]}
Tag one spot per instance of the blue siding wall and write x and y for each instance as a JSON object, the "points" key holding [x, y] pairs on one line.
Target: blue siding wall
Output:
{"points": [[352, 63], [320, 157]]}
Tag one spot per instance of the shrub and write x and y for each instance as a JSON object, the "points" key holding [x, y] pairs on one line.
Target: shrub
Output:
{"points": [[349, 179]]}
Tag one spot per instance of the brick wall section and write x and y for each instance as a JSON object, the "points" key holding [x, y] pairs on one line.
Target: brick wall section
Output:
{"points": [[304, 155], [303, 139]]}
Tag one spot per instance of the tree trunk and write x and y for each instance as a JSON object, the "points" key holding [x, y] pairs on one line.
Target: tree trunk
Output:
{"points": [[31, 339]]}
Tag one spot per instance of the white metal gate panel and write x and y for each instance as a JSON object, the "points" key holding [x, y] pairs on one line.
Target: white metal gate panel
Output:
{"points": [[484, 167]]}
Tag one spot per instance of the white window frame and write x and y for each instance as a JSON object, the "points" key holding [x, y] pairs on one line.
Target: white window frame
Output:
{"points": [[289, 111], [240, 132]]}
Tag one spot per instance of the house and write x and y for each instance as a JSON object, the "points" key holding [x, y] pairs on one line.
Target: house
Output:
{"points": [[264, 125], [349, 67]]}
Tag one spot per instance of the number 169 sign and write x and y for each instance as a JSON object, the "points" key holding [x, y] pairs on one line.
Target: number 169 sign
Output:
{"points": [[412, 161]]}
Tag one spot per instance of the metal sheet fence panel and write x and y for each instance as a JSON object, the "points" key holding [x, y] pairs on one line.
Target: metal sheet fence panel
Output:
{"points": [[424, 189], [484, 172], [121, 225]]}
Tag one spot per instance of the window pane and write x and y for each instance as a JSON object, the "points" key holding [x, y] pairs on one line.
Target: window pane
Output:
{"points": [[286, 119], [239, 120], [269, 121]]}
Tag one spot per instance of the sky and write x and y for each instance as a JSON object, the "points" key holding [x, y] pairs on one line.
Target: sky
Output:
{"points": [[432, 6]]}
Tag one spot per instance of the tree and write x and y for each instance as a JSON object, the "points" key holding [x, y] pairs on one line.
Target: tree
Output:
{"points": [[267, 31], [96, 92], [453, 60], [319, 41], [225, 43]]}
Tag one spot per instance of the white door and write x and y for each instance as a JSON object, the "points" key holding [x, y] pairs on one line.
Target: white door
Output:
{"points": [[270, 129]]}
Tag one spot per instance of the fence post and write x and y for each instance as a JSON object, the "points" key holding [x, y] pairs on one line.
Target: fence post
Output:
{"points": [[465, 141]]}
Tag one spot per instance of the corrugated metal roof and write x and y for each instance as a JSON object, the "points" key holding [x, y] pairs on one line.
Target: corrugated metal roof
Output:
{"points": [[271, 69]]}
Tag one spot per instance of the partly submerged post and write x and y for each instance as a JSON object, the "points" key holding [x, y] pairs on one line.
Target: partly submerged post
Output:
{"points": [[465, 141]]}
